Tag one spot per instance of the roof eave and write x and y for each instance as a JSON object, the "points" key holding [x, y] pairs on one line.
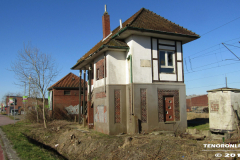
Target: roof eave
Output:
{"points": [[100, 49]]}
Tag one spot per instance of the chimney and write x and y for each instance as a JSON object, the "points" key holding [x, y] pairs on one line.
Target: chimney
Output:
{"points": [[106, 23]]}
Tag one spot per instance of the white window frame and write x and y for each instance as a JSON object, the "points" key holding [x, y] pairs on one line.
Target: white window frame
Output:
{"points": [[166, 61]]}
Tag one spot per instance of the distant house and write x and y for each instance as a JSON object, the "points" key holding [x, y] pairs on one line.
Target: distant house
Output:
{"points": [[19, 104], [136, 75], [197, 103], [65, 93]]}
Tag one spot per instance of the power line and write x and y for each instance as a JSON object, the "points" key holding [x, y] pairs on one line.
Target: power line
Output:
{"points": [[211, 51], [212, 67], [215, 46], [219, 26], [212, 76], [211, 85]]}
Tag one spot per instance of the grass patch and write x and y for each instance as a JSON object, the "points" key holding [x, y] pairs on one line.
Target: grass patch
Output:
{"points": [[25, 149], [200, 127]]}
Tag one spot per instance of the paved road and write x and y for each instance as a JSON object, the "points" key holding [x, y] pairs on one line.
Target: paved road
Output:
{"points": [[4, 120], [7, 147]]}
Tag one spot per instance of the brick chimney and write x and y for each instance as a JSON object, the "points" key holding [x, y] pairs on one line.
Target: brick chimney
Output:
{"points": [[106, 23]]}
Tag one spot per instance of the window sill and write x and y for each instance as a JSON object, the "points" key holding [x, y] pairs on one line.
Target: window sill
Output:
{"points": [[170, 122]]}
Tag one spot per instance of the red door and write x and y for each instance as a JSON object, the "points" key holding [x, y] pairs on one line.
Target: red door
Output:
{"points": [[169, 111]]}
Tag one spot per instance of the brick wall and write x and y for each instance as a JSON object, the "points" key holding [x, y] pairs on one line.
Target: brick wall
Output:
{"points": [[106, 25], [199, 101], [61, 101], [30, 104], [100, 69], [100, 95]]}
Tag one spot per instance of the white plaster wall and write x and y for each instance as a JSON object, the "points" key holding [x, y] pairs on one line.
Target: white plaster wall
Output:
{"points": [[155, 70], [154, 47], [235, 101], [116, 67], [223, 119], [179, 68], [179, 51], [141, 49], [97, 83], [168, 77]]}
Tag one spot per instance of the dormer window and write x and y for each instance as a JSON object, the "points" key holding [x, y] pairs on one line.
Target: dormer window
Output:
{"points": [[167, 61]]}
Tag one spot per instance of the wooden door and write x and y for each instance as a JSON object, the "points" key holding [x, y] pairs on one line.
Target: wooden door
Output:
{"points": [[169, 109]]}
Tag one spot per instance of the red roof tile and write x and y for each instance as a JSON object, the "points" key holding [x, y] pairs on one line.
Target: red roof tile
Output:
{"points": [[69, 81], [143, 19]]}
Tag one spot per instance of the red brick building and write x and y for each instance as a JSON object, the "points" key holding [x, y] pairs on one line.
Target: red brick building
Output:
{"points": [[29, 105], [198, 101], [65, 93]]}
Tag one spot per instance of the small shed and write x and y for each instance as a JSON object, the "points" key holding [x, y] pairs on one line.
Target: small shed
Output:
{"points": [[223, 109]]}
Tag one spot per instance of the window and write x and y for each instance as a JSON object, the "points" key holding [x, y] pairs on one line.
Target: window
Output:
{"points": [[97, 74], [66, 92], [167, 60]]}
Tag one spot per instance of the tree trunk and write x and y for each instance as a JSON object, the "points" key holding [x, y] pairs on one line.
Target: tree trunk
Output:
{"points": [[44, 120]]}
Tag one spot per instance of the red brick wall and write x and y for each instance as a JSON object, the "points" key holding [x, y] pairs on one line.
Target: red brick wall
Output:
{"points": [[100, 95], [199, 101], [101, 68], [31, 102], [188, 103], [60, 100]]}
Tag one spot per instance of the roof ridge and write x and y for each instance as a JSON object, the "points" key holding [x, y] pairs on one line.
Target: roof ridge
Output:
{"points": [[140, 11]]}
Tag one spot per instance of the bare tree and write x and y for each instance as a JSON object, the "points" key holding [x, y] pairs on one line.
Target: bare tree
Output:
{"points": [[35, 94], [36, 67]]}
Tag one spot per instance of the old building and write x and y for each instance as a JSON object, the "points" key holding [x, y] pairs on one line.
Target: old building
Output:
{"points": [[224, 109], [64, 94], [197, 103], [136, 74], [30, 104]]}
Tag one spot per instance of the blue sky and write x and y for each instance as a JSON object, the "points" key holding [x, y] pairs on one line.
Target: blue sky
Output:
{"points": [[68, 29]]}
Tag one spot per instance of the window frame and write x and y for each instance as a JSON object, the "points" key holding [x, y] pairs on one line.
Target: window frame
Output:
{"points": [[173, 66], [66, 94]]}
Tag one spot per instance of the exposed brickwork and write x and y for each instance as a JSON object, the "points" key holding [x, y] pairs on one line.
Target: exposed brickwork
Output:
{"points": [[100, 95], [143, 105], [106, 25], [61, 101], [214, 107], [117, 106], [100, 69], [161, 94]]}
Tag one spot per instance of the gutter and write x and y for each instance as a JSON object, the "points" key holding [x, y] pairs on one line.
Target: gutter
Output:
{"points": [[131, 75], [103, 46]]}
